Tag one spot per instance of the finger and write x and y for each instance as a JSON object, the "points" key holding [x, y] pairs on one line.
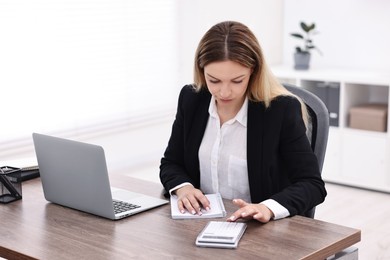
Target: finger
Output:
{"points": [[248, 212], [264, 214], [233, 218], [261, 218], [188, 206], [180, 205], [204, 202], [195, 205], [236, 215], [240, 203]]}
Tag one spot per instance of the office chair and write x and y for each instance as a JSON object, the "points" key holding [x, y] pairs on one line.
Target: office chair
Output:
{"points": [[318, 128]]}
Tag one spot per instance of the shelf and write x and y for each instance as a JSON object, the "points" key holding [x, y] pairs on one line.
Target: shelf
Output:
{"points": [[354, 157], [362, 94], [340, 75]]}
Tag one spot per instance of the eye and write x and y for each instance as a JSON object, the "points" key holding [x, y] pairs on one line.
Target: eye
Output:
{"points": [[237, 81], [214, 81]]}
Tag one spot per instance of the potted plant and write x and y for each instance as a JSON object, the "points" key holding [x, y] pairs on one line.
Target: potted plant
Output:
{"points": [[302, 53]]}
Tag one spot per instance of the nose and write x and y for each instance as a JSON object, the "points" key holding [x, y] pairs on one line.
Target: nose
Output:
{"points": [[225, 91]]}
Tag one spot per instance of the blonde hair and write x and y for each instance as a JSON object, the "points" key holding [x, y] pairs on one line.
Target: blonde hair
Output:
{"points": [[234, 41]]}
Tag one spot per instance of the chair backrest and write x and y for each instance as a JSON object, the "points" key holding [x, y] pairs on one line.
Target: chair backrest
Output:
{"points": [[319, 125]]}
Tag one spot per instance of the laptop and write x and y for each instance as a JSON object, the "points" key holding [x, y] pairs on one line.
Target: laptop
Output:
{"points": [[74, 174]]}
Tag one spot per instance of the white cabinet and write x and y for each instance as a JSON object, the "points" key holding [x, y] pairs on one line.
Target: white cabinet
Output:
{"points": [[364, 160], [333, 160], [354, 157]]}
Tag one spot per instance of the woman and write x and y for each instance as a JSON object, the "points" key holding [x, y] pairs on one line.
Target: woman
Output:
{"points": [[239, 132]]}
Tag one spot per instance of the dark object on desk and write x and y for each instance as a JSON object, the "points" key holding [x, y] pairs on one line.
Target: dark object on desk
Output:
{"points": [[10, 184], [28, 173]]}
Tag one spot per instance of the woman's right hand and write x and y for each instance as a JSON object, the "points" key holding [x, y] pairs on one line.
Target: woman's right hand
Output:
{"points": [[191, 199]]}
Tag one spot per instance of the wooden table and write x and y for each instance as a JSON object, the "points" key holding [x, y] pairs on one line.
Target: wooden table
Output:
{"points": [[34, 228]]}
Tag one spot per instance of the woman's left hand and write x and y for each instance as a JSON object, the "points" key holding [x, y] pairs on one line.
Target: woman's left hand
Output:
{"points": [[259, 212]]}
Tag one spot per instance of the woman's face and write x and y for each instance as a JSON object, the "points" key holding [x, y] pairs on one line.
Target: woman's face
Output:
{"points": [[227, 81]]}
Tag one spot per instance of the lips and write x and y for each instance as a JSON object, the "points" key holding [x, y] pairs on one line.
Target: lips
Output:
{"points": [[225, 100]]}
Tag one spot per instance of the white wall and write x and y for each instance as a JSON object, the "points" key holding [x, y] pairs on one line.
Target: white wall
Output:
{"points": [[123, 146], [354, 34], [263, 17], [67, 66]]}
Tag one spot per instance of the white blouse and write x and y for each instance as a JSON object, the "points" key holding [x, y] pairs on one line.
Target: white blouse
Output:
{"points": [[222, 159], [222, 155]]}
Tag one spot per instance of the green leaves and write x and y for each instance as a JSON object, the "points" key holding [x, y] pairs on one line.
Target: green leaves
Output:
{"points": [[308, 30], [297, 35]]}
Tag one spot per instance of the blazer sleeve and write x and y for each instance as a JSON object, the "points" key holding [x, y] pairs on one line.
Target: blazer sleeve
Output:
{"points": [[306, 188], [172, 168], [180, 162]]}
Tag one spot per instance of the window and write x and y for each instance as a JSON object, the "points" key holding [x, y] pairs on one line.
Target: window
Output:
{"points": [[67, 65]]}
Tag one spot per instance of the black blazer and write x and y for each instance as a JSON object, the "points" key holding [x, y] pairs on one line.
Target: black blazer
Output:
{"points": [[281, 164]]}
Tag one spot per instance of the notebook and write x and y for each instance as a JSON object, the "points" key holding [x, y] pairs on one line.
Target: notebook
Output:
{"points": [[217, 208], [74, 174]]}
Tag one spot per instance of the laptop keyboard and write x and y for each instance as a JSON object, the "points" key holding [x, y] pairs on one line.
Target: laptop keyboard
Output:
{"points": [[121, 206]]}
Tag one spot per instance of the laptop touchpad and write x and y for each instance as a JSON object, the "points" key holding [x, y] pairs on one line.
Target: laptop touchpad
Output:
{"points": [[125, 195]]}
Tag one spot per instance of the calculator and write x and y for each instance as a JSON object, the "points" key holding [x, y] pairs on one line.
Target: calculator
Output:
{"points": [[221, 234]]}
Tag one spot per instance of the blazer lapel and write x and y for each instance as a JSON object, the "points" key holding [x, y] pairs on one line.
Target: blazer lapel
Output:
{"points": [[195, 136], [256, 116], [199, 123]]}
